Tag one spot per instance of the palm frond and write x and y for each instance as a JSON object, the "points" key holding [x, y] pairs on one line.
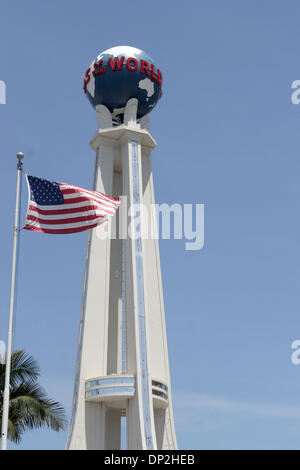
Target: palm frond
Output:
{"points": [[23, 368], [29, 405]]}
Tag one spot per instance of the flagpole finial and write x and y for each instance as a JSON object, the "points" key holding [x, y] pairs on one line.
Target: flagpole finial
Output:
{"points": [[20, 156]]}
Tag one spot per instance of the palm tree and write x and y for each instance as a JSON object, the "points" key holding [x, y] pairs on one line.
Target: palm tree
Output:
{"points": [[29, 405]]}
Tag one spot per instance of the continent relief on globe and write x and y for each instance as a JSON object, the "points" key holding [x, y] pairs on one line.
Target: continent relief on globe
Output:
{"points": [[112, 80]]}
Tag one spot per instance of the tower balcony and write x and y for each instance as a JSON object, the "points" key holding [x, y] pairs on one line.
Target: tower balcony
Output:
{"points": [[116, 389], [159, 394]]}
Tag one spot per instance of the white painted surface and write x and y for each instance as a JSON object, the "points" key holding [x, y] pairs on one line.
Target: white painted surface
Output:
{"points": [[96, 425], [127, 51]]}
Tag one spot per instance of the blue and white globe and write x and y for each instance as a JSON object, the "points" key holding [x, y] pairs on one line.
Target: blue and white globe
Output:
{"points": [[119, 74]]}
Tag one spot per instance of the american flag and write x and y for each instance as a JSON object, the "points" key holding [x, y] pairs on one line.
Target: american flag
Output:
{"points": [[63, 208]]}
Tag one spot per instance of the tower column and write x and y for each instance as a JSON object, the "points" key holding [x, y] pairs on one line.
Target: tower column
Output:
{"points": [[106, 386], [140, 409]]}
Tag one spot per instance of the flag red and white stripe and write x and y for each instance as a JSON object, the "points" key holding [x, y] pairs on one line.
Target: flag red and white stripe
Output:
{"points": [[79, 209]]}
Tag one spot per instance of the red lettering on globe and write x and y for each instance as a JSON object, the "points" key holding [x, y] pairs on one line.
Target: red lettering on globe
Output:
{"points": [[86, 79], [129, 66], [98, 68], [116, 63], [153, 76], [145, 67], [160, 79]]}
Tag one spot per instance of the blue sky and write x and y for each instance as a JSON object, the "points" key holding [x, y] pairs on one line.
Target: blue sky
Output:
{"points": [[228, 137]]}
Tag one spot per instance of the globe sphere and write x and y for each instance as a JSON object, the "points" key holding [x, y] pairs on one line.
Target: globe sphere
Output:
{"points": [[119, 74]]}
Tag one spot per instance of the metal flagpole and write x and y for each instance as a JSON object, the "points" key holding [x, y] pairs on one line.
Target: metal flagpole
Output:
{"points": [[5, 409]]}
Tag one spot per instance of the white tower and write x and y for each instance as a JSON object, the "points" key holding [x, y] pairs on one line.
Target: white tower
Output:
{"points": [[122, 361]]}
